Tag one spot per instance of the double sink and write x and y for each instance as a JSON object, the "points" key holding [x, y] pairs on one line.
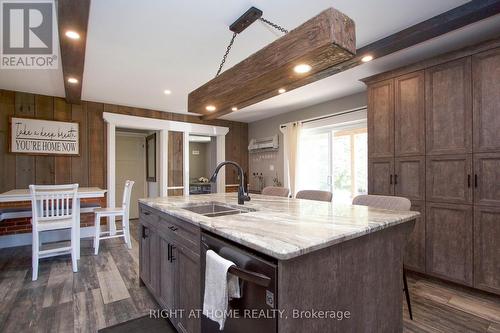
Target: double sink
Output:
{"points": [[215, 209]]}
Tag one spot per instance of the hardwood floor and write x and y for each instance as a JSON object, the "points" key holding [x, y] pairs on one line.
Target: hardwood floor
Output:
{"points": [[106, 291]]}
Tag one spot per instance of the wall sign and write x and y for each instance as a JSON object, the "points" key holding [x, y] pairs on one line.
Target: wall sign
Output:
{"points": [[42, 137]]}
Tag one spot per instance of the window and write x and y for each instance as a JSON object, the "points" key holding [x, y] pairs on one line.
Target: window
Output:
{"points": [[333, 157]]}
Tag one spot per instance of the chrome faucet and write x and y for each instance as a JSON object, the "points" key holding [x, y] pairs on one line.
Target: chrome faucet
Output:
{"points": [[242, 196]]}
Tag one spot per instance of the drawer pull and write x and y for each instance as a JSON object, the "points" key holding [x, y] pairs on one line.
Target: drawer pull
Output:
{"points": [[147, 213], [173, 228]]}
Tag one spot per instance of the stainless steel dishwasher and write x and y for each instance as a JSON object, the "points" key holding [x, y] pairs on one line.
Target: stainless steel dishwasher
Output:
{"points": [[256, 309]]}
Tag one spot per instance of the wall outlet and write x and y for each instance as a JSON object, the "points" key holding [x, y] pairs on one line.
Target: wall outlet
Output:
{"points": [[271, 167]]}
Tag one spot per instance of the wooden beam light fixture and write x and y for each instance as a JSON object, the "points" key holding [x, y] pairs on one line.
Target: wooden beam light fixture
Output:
{"points": [[289, 62]]}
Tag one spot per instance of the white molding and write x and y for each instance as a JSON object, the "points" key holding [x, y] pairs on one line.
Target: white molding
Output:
{"points": [[48, 236], [221, 157], [185, 156], [114, 120]]}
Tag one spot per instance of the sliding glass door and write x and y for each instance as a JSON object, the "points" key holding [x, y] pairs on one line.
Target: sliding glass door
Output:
{"points": [[333, 157]]}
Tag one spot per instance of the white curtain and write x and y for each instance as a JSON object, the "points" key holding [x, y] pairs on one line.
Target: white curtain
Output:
{"points": [[291, 139]]}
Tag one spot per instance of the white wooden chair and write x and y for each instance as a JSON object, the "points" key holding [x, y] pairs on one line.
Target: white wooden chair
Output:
{"points": [[51, 210], [122, 211]]}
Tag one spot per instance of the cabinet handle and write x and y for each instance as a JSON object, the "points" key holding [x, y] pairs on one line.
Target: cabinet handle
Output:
{"points": [[468, 181], [147, 213], [173, 228], [395, 179], [169, 251], [475, 180], [172, 248], [144, 232], [390, 179]]}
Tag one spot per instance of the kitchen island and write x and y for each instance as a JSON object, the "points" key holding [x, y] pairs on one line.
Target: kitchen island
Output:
{"points": [[340, 262]]}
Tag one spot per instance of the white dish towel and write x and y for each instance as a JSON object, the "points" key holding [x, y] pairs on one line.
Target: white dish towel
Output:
{"points": [[219, 287]]}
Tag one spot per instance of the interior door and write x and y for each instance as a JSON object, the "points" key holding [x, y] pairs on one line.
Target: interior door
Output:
{"points": [[381, 119], [486, 104], [131, 165], [448, 98]]}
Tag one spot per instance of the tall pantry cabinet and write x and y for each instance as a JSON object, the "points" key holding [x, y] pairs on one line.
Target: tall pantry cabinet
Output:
{"points": [[434, 137]]}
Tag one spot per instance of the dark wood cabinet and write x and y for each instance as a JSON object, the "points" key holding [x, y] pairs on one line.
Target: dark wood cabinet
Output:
{"points": [[414, 258], [486, 100], [449, 244], [189, 289], [409, 177], [381, 119], [170, 266], [381, 176], [487, 179], [449, 178], [409, 114], [487, 248], [448, 97]]}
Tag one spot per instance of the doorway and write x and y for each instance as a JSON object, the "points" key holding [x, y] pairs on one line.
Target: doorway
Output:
{"points": [[202, 163], [131, 165]]}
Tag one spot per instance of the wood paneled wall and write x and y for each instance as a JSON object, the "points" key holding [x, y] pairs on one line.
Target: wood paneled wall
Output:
{"points": [[89, 169]]}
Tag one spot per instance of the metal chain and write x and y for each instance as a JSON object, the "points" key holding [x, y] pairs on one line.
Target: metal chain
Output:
{"points": [[274, 25], [225, 54]]}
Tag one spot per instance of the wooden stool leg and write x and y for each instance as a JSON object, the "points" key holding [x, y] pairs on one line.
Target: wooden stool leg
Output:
{"points": [[35, 246], [126, 232], [97, 224], [407, 293], [74, 262]]}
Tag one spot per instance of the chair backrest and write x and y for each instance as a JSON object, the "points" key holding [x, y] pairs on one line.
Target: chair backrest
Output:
{"points": [[382, 201], [127, 191], [314, 195], [52, 201], [276, 191]]}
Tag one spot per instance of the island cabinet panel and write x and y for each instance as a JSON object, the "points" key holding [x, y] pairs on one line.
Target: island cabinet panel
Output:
{"points": [[448, 100], [486, 100], [381, 176], [381, 119], [449, 242], [487, 248], [487, 179], [170, 266], [356, 276], [414, 258], [449, 178], [409, 177], [409, 114]]}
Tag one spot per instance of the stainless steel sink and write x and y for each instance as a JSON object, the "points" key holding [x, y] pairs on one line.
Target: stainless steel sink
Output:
{"points": [[214, 209]]}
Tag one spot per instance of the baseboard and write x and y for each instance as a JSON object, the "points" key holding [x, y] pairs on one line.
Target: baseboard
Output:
{"points": [[47, 236]]}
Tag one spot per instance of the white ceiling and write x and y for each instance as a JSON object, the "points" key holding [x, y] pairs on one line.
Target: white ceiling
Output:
{"points": [[137, 49]]}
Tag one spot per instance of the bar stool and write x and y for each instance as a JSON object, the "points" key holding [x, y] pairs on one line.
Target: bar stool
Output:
{"points": [[122, 211], [51, 210], [314, 195]]}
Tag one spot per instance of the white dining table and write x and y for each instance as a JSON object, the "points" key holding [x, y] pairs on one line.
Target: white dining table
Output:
{"points": [[83, 193]]}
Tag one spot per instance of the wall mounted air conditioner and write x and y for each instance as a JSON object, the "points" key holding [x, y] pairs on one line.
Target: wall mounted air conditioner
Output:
{"points": [[263, 144]]}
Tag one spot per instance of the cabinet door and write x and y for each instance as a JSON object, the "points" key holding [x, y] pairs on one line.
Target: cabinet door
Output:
{"points": [[415, 248], [448, 98], [487, 179], [449, 178], [188, 284], [381, 119], [449, 242], [144, 254], [154, 260], [409, 177], [486, 100], [487, 248], [167, 275], [380, 176], [409, 115]]}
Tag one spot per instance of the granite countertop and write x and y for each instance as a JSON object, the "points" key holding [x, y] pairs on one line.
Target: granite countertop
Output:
{"points": [[283, 228]]}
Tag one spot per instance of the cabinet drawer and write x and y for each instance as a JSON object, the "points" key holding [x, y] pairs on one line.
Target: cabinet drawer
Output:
{"points": [[183, 232], [148, 215]]}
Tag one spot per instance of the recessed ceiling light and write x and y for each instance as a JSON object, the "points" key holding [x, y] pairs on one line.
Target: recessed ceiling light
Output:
{"points": [[72, 34], [210, 108], [234, 108], [302, 68], [367, 58], [282, 90], [167, 92], [72, 80]]}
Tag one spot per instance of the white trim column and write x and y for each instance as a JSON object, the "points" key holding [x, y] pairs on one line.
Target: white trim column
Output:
{"points": [[163, 182], [111, 162], [185, 157], [221, 157]]}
